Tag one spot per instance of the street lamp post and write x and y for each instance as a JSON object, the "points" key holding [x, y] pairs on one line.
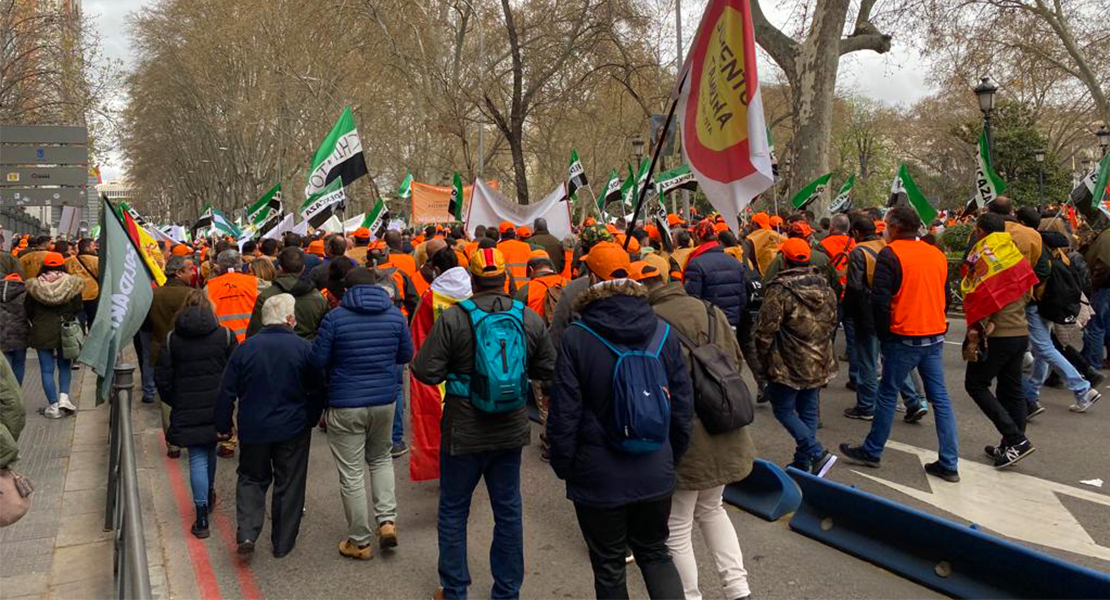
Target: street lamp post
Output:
{"points": [[985, 93], [1103, 135], [1039, 155]]}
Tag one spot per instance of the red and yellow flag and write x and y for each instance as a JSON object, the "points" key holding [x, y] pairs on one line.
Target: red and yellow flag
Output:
{"points": [[147, 247], [995, 274]]}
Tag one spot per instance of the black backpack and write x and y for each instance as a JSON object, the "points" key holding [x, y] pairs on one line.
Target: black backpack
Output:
{"points": [[721, 398], [1060, 301]]}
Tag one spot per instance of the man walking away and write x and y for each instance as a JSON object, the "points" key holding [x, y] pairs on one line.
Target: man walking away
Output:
{"points": [[360, 346], [793, 339], [621, 484], [477, 347], [908, 303], [277, 388], [310, 304], [714, 276]]}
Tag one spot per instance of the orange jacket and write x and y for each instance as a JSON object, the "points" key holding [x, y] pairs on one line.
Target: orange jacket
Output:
{"points": [[837, 248], [568, 259], [516, 255], [233, 296], [535, 291]]}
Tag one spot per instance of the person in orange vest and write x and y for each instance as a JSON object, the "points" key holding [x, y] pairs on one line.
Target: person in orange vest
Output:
{"points": [[908, 301], [517, 254], [570, 242], [472, 245], [427, 272], [544, 287], [404, 296], [397, 256]]}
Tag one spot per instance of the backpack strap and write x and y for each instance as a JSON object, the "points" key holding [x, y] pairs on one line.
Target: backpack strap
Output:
{"points": [[608, 345], [662, 328], [712, 321], [869, 250]]}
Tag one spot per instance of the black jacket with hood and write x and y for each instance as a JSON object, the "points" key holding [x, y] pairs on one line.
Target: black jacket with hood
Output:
{"points": [[309, 305]]}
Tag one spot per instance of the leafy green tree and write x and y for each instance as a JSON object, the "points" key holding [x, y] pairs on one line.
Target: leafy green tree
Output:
{"points": [[1015, 137]]}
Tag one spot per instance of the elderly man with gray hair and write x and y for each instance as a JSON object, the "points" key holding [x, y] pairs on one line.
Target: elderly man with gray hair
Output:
{"points": [[279, 394]]}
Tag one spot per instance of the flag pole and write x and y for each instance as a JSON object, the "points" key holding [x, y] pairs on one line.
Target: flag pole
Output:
{"points": [[651, 169], [594, 196]]}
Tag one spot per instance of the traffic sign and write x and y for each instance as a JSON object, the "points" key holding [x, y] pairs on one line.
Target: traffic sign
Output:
{"points": [[43, 134], [44, 155], [23, 196], [26, 176]]}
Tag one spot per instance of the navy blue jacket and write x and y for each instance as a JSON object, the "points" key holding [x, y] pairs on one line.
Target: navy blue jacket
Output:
{"points": [[280, 393], [360, 345], [718, 278], [596, 474]]}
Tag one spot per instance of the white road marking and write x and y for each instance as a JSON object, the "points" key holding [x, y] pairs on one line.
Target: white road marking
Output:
{"points": [[1015, 505]]}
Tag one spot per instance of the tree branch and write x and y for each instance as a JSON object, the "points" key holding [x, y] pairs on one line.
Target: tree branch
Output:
{"points": [[781, 47]]}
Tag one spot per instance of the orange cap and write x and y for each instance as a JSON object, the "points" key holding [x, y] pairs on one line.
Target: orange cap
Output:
{"points": [[505, 226], [761, 219], [377, 245], [316, 247], [523, 232], [880, 226], [776, 221], [652, 231], [720, 226], [539, 253], [608, 261], [633, 244], [641, 270], [361, 233], [487, 262], [13, 276], [612, 229], [589, 222], [181, 250], [673, 220], [795, 250], [801, 228], [53, 259]]}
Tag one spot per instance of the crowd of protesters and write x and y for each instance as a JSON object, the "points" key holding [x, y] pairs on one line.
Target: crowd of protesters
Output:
{"points": [[610, 333]]}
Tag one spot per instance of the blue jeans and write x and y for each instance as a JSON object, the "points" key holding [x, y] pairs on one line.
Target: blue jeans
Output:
{"points": [[458, 477], [849, 343], [797, 411], [142, 348], [48, 361], [899, 359], [202, 472], [867, 382], [1046, 355], [18, 360], [399, 411], [1096, 337]]}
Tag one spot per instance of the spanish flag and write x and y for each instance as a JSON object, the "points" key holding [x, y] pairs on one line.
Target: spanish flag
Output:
{"points": [[995, 274]]}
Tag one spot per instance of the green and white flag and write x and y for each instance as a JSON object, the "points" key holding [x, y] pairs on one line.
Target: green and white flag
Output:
{"points": [[377, 219], [612, 191], [642, 175], [339, 157], [904, 184], [1098, 197], [774, 157], [125, 297], [628, 189], [843, 201], [988, 184], [576, 176], [318, 208], [212, 220], [405, 191], [456, 205], [268, 206], [677, 178], [811, 192]]}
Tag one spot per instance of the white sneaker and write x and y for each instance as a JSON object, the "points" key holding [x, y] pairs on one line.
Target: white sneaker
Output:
{"points": [[65, 404], [53, 412], [1087, 401]]}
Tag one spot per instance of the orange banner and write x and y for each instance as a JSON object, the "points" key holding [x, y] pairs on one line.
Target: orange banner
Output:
{"points": [[429, 202]]}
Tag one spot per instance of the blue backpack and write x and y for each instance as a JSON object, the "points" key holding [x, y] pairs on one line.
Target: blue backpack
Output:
{"points": [[639, 418], [499, 382]]}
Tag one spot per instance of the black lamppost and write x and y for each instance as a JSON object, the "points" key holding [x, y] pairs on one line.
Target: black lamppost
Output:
{"points": [[1039, 155], [1103, 135], [985, 93]]}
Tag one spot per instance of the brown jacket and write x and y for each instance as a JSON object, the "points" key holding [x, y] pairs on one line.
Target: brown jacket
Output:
{"points": [[167, 300], [87, 267], [32, 263], [793, 335], [710, 460]]}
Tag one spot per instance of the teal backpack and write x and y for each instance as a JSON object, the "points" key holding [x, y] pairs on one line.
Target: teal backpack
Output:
{"points": [[499, 382]]}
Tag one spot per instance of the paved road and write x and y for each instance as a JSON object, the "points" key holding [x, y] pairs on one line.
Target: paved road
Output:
{"points": [[1040, 503]]}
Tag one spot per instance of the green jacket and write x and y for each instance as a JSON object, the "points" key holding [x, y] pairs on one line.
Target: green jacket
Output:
{"points": [[12, 415], [48, 305], [711, 460], [309, 305], [817, 259]]}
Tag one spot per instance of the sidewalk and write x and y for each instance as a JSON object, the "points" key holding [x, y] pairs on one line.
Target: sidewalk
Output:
{"points": [[60, 550]]}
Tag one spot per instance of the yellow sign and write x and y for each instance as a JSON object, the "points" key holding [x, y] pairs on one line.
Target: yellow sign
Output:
{"points": [[13, 177], [722, 93]]}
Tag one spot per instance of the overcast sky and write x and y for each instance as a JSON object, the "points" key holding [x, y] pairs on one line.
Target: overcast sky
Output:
{"points": [[893, 78]]}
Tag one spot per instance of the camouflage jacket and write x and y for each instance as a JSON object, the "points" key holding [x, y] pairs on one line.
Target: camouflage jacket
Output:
{"points": [[794, 333]]}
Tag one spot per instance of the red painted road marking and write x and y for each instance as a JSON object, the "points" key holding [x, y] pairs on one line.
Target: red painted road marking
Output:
{"points": [[198, 550], [247, 585]]}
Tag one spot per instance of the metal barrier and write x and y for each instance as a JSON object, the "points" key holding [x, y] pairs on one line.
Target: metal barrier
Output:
{"points": [[124, 513]]}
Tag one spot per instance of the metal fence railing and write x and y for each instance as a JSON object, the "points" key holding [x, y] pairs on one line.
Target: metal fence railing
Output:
{"points": [[124, 513]]}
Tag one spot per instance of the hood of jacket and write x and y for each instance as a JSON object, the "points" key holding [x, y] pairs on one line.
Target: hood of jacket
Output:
{"points": [[292, 284], [618, 310], [1054, 239], [55, 290], [195, 322], [366, 299], [453, 283], [805, 283], [11, 289]]}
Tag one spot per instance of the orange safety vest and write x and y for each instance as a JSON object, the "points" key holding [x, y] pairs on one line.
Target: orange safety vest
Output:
{"points": [[568, 259], [398, 282], [419, 284], [464, 261], [405, 262], [516, 255], [837, 248], [233, 295], [917, 309], [470, 248], [537, 291]]}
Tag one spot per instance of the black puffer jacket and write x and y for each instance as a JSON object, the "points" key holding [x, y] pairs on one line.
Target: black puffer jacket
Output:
{"points": [[188, 375], [16, 330]]}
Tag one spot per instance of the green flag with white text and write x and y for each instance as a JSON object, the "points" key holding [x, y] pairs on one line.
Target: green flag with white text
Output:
{"points": [[266, 207], [377, 218], [405, 191], [576, 176], [916, 199], [456, 205], [339, 157], [811, 192], [987, 183], [612, 191], [843, 201]]}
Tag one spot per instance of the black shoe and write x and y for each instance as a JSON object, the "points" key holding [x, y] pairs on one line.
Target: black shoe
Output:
{"points": [[1054, 381], [800, 466], [858, 413], [1094, 377], [1005, 456], [200, 527], [915, 415], [822, 465], [761, 397], [1035, 409], [856, 455], [399, 450], [949, 475], [991, 451], [149, 400], [173, 452], [851, 385], [246, 547], [282, 553]]}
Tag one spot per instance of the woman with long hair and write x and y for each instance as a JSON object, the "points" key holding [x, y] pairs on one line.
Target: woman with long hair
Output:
{"points": [[53, 299]]}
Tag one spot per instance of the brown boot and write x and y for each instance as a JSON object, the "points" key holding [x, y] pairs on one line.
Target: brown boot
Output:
{"points": [[352, 550], [387, 535]]}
